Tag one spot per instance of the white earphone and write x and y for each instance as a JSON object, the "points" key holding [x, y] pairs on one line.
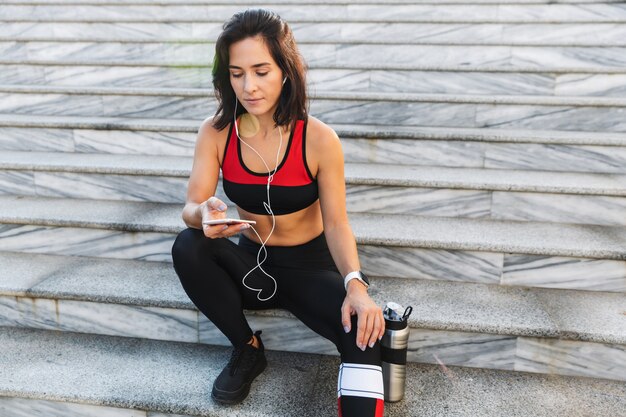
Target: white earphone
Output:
{"points": [[268, 208]]}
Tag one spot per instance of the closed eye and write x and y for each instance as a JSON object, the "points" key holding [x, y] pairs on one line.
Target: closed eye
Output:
{"points": [[258, 73]]}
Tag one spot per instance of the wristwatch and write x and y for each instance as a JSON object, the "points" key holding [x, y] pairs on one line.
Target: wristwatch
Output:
{"points": [[356, 275]]}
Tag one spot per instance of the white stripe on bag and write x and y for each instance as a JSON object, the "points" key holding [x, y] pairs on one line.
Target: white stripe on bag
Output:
{"points": [[360, 380]]}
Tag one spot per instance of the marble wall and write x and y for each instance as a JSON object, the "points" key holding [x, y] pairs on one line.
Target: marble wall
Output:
{"points": [[470, 112], [420, 152], [424, 201], [351, 55], [26, 407], [322, 31], [405, 262], [422, 13], [284, 332], [505, 82]]}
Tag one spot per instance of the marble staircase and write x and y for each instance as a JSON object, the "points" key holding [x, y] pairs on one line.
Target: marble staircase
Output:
{"points": [[485, 146], [581, 198], [132, 375]]}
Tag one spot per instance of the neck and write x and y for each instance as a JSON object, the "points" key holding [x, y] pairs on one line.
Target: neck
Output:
{"points": [[266, 125], [257, 126]]}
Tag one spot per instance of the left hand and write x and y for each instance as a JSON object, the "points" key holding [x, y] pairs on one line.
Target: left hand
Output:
{"points": [[370, 324]]}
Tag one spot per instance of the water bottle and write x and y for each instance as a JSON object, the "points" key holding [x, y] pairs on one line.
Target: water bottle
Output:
{"points": [[393, 350]]}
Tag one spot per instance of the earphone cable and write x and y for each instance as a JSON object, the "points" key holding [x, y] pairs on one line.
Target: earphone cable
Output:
{"points": [[268, 209]]}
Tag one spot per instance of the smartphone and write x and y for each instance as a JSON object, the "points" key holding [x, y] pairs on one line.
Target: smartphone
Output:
{"points": [[227, 221]]}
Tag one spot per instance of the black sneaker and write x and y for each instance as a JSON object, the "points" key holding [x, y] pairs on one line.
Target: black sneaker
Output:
{"points": [[233, 383]]}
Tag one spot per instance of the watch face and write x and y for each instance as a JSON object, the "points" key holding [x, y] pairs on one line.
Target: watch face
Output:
{"points": [[364, 277]]}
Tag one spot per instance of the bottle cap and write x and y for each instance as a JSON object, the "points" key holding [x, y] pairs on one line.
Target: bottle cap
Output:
{"points": [[395, 312]]}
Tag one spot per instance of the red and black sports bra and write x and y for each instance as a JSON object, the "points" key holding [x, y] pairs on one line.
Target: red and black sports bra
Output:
{"points": [[293, 187]]}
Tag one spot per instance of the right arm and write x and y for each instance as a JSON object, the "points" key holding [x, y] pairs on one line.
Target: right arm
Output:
{"points": [[201, 203]]}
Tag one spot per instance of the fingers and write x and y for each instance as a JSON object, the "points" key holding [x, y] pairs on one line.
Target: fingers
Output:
{"points": [[381, 333], [371, 327], [214, 231], [345, 317], [214, 203], [212, 209], [376, 331], [233, 229], [224, 230], [364, 327]]}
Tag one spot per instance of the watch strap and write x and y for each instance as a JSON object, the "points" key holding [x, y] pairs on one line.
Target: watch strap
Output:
{"points": [[354, 275]]}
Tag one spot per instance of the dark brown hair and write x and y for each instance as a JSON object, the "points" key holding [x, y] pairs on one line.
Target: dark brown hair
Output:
{"points": [[277, 35]]}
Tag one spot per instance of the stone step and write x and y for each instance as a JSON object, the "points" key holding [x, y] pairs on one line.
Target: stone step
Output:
{"points": [[532, 330], [538, 34], [459, 81], [415, 65], [112, 377], [380, 12], [252, 3], [545, 150], [371, 188], [497, 112], [533, 254], [579, 58]]}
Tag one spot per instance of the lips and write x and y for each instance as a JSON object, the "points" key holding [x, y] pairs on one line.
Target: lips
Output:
{"points": [[253, 101]]}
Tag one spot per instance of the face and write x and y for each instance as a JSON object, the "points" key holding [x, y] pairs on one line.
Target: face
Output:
{"points": [[255, 76]]}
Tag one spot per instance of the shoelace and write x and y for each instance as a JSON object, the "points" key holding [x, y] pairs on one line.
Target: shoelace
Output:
{"points": [[236, 359]]}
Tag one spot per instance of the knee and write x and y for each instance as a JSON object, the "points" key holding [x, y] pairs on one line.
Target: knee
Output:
{"points": [[191, 245], [370, 356], [185, 244], [350, 352]]}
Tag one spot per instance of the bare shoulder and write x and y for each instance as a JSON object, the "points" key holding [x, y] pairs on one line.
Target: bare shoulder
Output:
{"points": [[323, 147], [210, 139], [208, 132], [320, 137]]}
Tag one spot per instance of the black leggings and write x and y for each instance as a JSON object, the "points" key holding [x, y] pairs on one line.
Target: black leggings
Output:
{"points": [[309, 286]]}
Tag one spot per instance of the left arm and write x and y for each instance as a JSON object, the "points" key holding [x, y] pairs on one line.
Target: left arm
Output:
{"points": [[341, 242]]}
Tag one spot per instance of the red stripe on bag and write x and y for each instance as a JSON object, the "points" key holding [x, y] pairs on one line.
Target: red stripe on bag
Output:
{"points": [[380, 406]]}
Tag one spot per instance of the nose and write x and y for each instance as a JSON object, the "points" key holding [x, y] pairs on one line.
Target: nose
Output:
{"points": [[248, 85]]}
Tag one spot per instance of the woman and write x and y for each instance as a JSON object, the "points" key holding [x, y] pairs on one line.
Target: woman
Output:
{"points": [[284, 170]]}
